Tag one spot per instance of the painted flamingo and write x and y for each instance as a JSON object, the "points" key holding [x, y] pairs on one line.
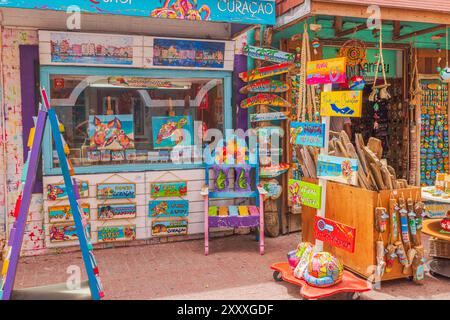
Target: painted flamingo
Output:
{"points": [[182, 9]]}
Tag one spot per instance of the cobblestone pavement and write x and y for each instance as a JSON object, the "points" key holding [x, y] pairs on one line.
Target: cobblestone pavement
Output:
{"points": [[179, 270]]}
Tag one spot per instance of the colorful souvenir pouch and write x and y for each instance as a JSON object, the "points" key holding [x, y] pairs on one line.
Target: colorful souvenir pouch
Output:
{"points": [[243, 181], [233, 211], [253, 211], [221, 182], [212, 211], [243, 211], [223, 211]]}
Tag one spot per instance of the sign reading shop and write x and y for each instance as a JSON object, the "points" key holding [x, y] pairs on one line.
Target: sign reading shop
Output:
{"points": [[237, 11]]}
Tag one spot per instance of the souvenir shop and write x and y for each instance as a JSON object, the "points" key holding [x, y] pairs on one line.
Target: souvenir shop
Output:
{"points": [[135, 87]]}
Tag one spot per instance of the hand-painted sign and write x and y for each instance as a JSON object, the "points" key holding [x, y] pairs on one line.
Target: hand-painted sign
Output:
{"points": [[116, 211], [168, 189], [58, 191], [435, 210], [305, 193], [265, 85], [235, 11], [294, 195], [326, 71], [265, 72], [116, 191], [168, 208], [274, 170], [341, 104], [337, 169], [273, 189], [266, 54], [265, 99], [308, 134], [116, 233], [271, 116], [64, 213], [64, 232], [334, 233], [169, 228]]}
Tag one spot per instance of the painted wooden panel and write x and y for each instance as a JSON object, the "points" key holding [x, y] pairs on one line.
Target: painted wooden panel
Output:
{"points": [[341, 104]]}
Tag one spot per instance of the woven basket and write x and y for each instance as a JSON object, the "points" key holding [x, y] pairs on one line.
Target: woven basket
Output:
{"points": [[439, 248]]}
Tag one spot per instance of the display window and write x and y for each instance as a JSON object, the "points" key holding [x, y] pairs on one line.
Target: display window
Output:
{"points": [[120, 121]]}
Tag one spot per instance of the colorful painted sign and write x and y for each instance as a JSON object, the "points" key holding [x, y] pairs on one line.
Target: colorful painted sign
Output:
{"points": [[116, 211], [326, 71], [114, 132], [147, 83], [169, 228], [267, 54], [273, 189], [57, 214], [168, 208], [335, 233], [265, 85], [64, 232], [116, 233], [270, 116], [116, 191], [344, 170], [188, 53], [169, 132], [294, 195], [168, 189], [341, 104], [267, 99], [235, 11], [435, 210], [274, 170], [308, 134], [265, 72], [58, 191], [305, 193]]}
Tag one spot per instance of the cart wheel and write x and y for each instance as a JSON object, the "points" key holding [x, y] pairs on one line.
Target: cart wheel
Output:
{"points": [[277, 276], [353, 295]]}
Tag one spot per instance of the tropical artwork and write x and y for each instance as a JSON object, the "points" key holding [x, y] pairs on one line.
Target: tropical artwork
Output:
{"points": [[267, 54], [58, 191], [166, 134], [64, 213], [114, 132], [304, 193], [182, 9], [116, 211], [341, 104], [344, 170], [64, 232], [116, 233], [169, 228], [168, 189], [116, 191], [168, 208], [81, 48], [308, 134], [326, 71], [188, 53]]}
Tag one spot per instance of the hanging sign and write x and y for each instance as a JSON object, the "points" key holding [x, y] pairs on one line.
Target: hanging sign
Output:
{"points": [[266, 54], [305, 193], [344, 170], [234, 11], [265, 85], [168, 208], [308, 134], [273, 189], [265, 72], [334, 233], [116, 191], [168, 189], [64, 213], [326, 71], [116, 233], [169, 228], [57, 191], [116, 211], [341, 104], [265, 99], [64, 232], [271, 116], [274, 170]]}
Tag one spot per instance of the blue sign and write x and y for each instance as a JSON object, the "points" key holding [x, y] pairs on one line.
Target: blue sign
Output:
{"points": [[168, 208], [236, 11], [308, 134]]}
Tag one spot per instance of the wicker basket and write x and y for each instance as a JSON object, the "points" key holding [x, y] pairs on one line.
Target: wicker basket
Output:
{"points": [[439, 248]]}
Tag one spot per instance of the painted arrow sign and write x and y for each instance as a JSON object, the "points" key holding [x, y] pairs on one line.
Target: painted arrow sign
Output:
{"points": [[265, 72], [265, 99], [265, 85], [266, 54]]}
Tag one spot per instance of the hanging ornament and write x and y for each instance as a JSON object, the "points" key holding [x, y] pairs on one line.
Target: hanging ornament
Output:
{"points": [[356, 83], [438, 49], [315, 44], [444, 74], [355, 52]]}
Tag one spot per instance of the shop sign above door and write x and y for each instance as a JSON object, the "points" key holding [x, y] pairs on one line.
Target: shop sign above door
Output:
{"points": [[235, 11]]}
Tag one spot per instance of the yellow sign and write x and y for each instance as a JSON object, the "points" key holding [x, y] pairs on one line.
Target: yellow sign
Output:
{"points": [[326, 71], [341, 104]]}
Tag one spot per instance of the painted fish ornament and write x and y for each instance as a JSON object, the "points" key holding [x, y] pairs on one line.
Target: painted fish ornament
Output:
{"points": [[220, 181], [169, 128]]}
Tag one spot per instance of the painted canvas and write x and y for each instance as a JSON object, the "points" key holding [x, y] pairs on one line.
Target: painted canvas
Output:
{"points": [[308, 134], [64, 213], [116, 233], [115, 132], [116, 211], [344, 170], [116, 191], [304, 193], [64, 232], [58, 191], [168, 208], [188, 53], [341, 104], [168, 189], [166, 133], [335, 233], [169, 228], [326, 71]]}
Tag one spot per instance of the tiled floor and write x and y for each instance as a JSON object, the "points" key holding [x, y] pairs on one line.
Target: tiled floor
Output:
{"points": [[233, 270]]}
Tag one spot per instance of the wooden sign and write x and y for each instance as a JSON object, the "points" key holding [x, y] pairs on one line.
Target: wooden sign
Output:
{"points": [[168, 189], [116, 191], [64, 232], [265, 99], [341, 104], [168, 208], [116, 211], [64, 213], [57, 191], [116, 233], [265, 85], [274, 170], [335, 233], [270, 116], [273, 189], [305, 193], [326, 71], [344, 170], [265, 72], [169, 228], [308, 134], [266, 54]]}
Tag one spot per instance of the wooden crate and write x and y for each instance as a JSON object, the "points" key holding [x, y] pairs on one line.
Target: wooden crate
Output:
{"points": [[439, 248], [355, 207]]}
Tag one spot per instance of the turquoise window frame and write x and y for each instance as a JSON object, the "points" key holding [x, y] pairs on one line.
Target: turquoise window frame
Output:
{"points": [[47, 148]]}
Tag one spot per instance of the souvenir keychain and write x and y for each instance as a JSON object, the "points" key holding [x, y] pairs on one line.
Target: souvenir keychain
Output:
{"points": [[381, 218], [419, 209], [391, 249], [404, 224], [412, 221], [418, 265]]}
